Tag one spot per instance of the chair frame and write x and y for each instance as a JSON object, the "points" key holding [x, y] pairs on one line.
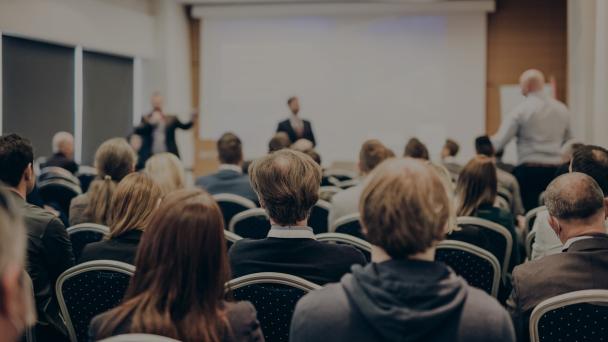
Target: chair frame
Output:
{"points": [[344, 220], [532, 214], [476, 221], [245, 215], [529, 243], [570, 298], [64, 178], [85, 227], [479, 252], [231, 236], [501, 202], [345, 238], [330, 188], [245, 202], [138, 338], [271, 278], [86, 170], [95, 265]]}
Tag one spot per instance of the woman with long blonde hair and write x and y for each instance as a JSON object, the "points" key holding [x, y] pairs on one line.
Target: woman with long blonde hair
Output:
{"points": [[167, 170]]}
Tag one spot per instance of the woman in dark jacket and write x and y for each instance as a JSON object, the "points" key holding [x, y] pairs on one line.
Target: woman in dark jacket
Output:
{"points": [[135, 199], [178, 287]]}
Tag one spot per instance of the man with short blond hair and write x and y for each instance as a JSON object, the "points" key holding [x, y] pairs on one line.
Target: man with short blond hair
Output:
{"points": [[63, 152], [287, 183]]}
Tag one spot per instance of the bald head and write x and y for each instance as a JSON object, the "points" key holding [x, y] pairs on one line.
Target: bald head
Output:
{"points": [[531, 80], [574, 196], [63, 142]]}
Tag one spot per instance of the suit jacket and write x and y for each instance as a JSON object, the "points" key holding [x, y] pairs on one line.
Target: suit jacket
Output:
{"points": [[228, 182], [242, 319], [49, 253], [146, 130], [583, 266], [285, 126], [59, 160], [121, 248]]}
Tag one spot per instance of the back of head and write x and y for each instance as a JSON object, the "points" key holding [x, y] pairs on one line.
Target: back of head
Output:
{"points": [[180, 296], [416, 149], [312, 153], [63, 142], [16, 153], [287, 183], [592, 161], [230, 149], [484, 147], [372, 153], [404, 207], [477, 185], [135, 199], [575, 196], [451, 147], [568, 149], [167, 170], [278, 142], [531, 80]]}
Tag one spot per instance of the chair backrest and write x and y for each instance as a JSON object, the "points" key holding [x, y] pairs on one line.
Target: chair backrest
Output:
{"points": [[274, 296], [476, 265], [86, 175], [530, 217], [326, 193], [349, 224], [318, 217], [360, 244], [85, 233], [529, 242], [231, 205], [579, 315], [505, 193], [251, 224], [138, 338], [58, 187], [231, 238], [486, 235], [89, 289]]}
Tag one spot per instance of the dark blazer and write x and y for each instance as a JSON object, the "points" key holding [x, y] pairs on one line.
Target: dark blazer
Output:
{"points": [[285, 126], [583, 266], [49, 253], [121, 248], [59, 160], [242, 318], [228, 182], [146, 130], [315, 261]]}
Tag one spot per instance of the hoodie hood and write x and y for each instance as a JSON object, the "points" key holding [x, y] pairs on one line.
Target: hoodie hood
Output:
{"points": [[408, 300]]}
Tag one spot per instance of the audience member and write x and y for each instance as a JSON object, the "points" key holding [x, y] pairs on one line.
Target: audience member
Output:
{"points": [[541, 125], [577, 210], [278, 142], [416, 149], [506, 180], [287, 183], [475, 196], [567, 150], [230, 178], [167, 171], [448, 158], [295, 127], [403, 295], [49, 248], [503, 165], [178, 287], [590, 160], [63, 152], [134, 201], [346, 202], [16, 306]]}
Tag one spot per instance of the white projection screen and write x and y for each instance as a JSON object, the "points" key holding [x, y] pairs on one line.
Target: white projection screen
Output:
{"points": [[358, 77]]}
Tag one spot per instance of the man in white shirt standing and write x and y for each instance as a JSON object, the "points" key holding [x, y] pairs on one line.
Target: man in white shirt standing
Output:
{"points": [[541, 125]]}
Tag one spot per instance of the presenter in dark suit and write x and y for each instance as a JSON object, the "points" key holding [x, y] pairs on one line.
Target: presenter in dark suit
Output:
{"points": [[295, 127]]}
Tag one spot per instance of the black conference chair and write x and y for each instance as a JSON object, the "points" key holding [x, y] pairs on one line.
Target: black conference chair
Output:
{"points": [[82, 234], [57, 188], [89, 289], [274, 296], [350, 225], [86, 175], [318, 217], [477, 266], [530, 243], [574, 316], [231, 205], [362, 245], [138, 338], [251, 224]]}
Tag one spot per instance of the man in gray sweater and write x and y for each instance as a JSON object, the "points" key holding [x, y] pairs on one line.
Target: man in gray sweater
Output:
{"points": [[403, 295]]}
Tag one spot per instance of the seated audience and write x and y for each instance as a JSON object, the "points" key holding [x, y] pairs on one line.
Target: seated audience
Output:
{"points": [[287, 183], [448, 158], [590, 160], [134, 201], [49, 248], [577, 210], [506, 180], [475, 196], [167, 171], [178, 287], [416, 149], [16, 306], [230, 178], [114, 160], [346, 202], [63, 153], [567, 150], [404, 295], [278, 142]]}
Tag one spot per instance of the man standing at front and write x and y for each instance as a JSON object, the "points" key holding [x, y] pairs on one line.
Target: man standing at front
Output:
{"points": [[541, 125]]}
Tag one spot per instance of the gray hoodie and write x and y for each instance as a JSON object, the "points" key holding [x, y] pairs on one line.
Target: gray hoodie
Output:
{"points": [[400, 300]]}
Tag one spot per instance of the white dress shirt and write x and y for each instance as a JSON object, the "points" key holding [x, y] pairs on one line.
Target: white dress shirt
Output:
{"points": [[344, 203], [541, 125]]}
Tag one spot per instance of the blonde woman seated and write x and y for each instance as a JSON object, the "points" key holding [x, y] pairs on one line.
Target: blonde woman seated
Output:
{"points": [[167, 170], [137, 196]]}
